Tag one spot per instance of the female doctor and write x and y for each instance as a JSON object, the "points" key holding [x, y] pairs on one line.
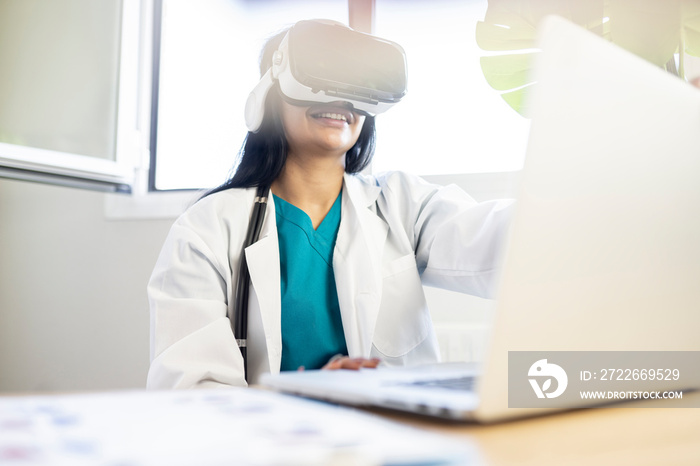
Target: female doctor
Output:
{"points": [[340, 264]]}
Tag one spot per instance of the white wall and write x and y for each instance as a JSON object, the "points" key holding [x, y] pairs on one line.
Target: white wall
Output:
{"points": [[73, 306]]}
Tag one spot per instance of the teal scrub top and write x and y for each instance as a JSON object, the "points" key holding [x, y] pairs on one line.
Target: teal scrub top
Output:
{"points": [[312, 330]]}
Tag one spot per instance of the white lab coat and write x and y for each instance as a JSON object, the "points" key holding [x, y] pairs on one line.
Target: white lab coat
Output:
{"points": [[396, 233]]}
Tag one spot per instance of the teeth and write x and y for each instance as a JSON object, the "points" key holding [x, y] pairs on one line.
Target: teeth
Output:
{"points": [[333, 116]]}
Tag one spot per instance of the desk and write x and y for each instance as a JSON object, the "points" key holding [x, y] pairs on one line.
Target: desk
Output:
{"points": [[227, 426], [603, 436]]}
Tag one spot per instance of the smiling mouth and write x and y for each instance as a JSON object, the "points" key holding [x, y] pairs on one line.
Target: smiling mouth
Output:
{"points": [[333, 112], [332, 116]]}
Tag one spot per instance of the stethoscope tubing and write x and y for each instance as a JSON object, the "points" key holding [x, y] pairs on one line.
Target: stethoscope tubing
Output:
{"points": [[239, 322]]}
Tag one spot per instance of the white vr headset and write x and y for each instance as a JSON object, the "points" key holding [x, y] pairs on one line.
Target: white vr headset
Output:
{"points": [[322, 61]]}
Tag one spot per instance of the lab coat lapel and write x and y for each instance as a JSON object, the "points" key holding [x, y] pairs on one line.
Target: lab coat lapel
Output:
{"points": [[264, 267], [357, 264]]}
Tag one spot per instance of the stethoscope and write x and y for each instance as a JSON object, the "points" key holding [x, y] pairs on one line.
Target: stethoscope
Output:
{"points": [[239, 322]]}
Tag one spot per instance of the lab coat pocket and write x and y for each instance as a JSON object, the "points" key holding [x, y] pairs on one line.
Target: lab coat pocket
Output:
{"points": [[403, 321]]}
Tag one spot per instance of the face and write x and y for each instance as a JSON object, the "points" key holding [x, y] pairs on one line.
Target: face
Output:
{"points": [[323, 128]]}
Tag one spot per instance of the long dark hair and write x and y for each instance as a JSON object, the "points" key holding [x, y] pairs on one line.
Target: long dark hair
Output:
{"points": [[264, 153]]}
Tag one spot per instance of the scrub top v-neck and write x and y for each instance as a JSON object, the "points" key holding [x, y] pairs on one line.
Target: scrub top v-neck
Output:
{"points": [[312, 330]]}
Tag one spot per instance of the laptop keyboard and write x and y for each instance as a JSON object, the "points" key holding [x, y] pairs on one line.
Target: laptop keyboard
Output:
{"points": [[465, 383]]}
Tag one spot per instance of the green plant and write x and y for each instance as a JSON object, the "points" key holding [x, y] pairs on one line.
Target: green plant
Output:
{"points": [[656, 30]]}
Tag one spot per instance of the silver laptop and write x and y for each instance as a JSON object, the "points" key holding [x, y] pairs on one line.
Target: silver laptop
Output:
{"points": [[604, 249]]}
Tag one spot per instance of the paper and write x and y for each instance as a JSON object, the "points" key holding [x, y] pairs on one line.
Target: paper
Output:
{"points": [[209, 427]]}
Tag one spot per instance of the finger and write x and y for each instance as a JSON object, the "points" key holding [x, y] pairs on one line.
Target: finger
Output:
{"points": [[334, 364], [346, 362], [352, 364], [358, 363], [695, 81], [371, 363]]}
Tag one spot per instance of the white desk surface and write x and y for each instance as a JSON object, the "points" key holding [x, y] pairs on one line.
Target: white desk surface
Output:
{"points": [[636, 434]]}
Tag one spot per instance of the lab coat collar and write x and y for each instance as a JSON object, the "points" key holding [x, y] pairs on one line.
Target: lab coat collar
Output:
{"points": [[357, 263], [363, 191], [264, 266]]}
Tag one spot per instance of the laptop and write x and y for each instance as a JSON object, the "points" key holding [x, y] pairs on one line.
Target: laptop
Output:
{"points": [[603, 254]]}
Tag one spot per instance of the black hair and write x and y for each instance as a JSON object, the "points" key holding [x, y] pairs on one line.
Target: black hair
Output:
{"points": [[264, 153]]}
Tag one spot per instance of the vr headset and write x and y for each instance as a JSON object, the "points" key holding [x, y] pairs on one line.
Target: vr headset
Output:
{"points": [[321, 61]]}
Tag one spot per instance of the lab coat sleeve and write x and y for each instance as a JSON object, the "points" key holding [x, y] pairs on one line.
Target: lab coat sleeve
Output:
{"points": [[458, 242], [192, 344]]}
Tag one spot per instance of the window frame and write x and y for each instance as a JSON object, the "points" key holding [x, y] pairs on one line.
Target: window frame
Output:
{"points": [[83, 171]]}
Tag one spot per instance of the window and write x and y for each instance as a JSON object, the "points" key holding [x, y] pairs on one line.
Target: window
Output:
{"points": [[208, 65], [68, 92], [450, 122]]}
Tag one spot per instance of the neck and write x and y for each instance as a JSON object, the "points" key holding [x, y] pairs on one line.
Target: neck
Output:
{"points": [[312, 185]]}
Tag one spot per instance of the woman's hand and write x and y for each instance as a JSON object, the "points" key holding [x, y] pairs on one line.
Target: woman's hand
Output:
{"points": [[346, 362], [695, 81]]}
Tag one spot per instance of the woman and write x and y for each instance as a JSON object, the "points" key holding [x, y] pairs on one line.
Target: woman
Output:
{"points": [[340, 263]]}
